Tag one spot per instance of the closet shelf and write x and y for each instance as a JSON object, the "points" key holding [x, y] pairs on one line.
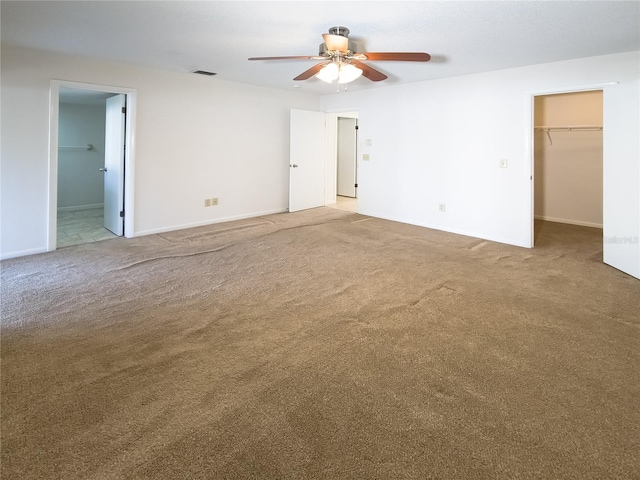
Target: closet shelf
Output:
{"points": [[76, 147]]}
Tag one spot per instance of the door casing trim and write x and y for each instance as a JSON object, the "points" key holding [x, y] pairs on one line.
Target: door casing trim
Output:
{"points": [[129, 158]]}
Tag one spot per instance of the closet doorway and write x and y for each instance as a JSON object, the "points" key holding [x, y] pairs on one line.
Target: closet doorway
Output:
{"points": [[346, 162], [91, 134], [81, 163], [568, 165]]}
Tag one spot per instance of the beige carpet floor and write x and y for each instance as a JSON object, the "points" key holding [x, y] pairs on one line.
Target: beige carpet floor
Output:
{"points": [[321, 344]]}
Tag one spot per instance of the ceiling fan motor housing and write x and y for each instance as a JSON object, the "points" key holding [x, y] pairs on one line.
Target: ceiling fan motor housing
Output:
{"points": [[342, 31]]}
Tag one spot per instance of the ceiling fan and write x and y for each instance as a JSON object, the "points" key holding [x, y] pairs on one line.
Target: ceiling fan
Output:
{"points": [[342, 62]]}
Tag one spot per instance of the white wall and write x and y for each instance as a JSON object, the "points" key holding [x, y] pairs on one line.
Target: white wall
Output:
{"points": [[196, 137], [433, 142], [568, 164], [80, 183], [440, 141]]}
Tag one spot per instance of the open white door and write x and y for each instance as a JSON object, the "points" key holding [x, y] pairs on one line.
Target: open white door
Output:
{"points": [[307, 160], [621, 212], [346, 185], [114, 164]]}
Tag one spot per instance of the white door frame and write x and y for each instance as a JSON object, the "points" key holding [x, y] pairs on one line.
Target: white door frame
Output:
{"points": [[331, 175], [129, 159], [530, 125]]}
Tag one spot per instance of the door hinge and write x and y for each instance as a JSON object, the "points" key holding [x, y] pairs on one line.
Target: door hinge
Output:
{"points": [[356, 127], [356, 185], [124, 109], [121, 213]]}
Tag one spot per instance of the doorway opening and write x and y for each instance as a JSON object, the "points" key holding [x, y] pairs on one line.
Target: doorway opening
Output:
{"points": [[341, 179], [91, 134], [313, 161], [81, 156], [347, 164], [568, 167]]}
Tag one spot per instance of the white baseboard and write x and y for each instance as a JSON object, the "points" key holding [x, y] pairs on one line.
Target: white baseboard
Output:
{"points": [[81, 207], [506, 241], [207, 222], [569, 222], [22, 253]]}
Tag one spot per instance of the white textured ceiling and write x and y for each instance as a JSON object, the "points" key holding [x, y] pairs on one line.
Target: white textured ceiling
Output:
{"points": [[462, 37]]}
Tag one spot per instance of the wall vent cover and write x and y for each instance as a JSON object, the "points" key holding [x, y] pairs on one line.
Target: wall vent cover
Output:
{"points": [[204, 72]]}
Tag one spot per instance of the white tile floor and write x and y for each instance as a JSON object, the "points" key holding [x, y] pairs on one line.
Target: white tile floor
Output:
{"points": [[345, 203], [81, 226]]}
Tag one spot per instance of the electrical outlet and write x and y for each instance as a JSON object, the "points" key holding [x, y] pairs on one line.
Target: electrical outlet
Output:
{"points": [[210, 202], [442, 207], [214, 201], [503, 163]]}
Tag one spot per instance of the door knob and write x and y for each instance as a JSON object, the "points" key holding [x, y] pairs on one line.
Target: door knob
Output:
{"points": [[103, 169], [294, 165]]}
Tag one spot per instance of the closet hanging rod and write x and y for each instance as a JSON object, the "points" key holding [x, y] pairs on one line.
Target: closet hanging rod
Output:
{"points": [[567, 128], [76, 147]]}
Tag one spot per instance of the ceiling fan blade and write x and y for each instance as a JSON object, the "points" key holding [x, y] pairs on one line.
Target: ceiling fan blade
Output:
{"points": [[398, 56], [311, 72], [371, 73], [336, 42], [283, 58]]}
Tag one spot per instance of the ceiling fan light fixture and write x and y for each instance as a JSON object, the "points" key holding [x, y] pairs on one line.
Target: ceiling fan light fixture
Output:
{"points": [[340, 71], [329, 73], [348, 73]]}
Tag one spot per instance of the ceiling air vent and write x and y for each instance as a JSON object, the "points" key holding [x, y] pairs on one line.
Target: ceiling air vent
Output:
{"points": [[204, 72]]}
